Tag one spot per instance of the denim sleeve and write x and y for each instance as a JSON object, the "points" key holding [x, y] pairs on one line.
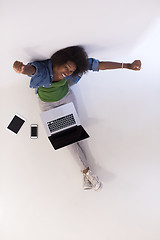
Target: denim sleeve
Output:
{"points": [[39, 75], [93, 64], [39, 68]]}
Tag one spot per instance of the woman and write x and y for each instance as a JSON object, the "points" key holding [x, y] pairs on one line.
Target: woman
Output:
{"points": [[51, 79]]}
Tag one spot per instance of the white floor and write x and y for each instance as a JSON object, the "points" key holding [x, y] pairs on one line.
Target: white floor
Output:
{"points": [[41, 195]]}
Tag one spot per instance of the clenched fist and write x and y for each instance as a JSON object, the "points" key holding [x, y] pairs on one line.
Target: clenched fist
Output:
{"points": [[136, 65], [18, 67]]}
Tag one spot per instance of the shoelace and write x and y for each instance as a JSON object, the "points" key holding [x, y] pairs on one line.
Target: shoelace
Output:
{"points": [[93, 179], [86, 180]]}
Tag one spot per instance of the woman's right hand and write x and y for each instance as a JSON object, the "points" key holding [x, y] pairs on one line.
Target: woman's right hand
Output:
{"points": [[18, 66]]}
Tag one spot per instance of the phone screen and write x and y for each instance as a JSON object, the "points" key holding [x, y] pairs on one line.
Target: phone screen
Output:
{"points": [[34, 131], [16, 124]]}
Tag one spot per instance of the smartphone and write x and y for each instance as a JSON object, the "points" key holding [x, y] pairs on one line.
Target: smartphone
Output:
{"points": [[34, 131]]}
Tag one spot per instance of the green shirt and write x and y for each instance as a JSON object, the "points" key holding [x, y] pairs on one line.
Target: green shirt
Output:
{"points": [[55, 92]]}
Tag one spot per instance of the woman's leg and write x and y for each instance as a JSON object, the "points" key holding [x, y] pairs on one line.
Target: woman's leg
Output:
{"points": [[89, 180], [76, 148]]}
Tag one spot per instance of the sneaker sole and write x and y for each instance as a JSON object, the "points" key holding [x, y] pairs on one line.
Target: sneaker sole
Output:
{"points": [[87, 188], [99, 187]]}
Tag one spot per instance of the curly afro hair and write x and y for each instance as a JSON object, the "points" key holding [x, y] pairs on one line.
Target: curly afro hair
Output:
{"points": [[76, 54]]}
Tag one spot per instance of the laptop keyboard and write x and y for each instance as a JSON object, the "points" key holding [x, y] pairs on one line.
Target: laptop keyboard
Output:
{"points": [[61, 123]]}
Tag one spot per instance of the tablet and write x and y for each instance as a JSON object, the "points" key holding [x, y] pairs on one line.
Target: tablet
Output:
{"points": [[16, 124]]}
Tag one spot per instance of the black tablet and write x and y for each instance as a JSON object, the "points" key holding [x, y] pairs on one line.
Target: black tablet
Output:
{"points": [[16, 124]]}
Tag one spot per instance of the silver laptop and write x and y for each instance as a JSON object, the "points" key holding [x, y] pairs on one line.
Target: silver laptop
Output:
{"points": [[62, 126]]}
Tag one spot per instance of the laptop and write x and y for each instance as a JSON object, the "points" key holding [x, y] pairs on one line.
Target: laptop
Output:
{"points": [[63, 126]]}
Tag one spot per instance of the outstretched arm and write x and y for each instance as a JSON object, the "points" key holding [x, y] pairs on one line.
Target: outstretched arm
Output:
{"points": [[19, 67], [136, 65]]}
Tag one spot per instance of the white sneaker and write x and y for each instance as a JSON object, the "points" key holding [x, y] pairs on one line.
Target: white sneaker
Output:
{"points": [[86, 183], [94, 180]]}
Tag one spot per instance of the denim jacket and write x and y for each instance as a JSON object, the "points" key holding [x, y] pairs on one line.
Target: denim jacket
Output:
{"points": [[43, 76]]}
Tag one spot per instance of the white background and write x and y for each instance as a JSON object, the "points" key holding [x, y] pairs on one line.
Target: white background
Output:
{"points": [[41, 195]]}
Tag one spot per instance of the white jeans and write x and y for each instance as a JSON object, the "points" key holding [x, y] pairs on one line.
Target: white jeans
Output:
{"points": [[76, 148]]}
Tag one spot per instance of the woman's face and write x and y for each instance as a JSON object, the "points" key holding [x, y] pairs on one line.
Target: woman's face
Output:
{"points": [[64, 70]]}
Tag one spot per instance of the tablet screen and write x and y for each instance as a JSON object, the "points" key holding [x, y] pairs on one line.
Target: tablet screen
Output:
{"points": [[16, 124]]}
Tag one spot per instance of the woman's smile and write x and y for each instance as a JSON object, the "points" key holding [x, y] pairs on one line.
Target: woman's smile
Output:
{"points": [[64, 70]]}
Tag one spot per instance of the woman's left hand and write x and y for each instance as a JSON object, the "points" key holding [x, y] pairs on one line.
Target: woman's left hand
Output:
{"points": [[136, 65]]}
